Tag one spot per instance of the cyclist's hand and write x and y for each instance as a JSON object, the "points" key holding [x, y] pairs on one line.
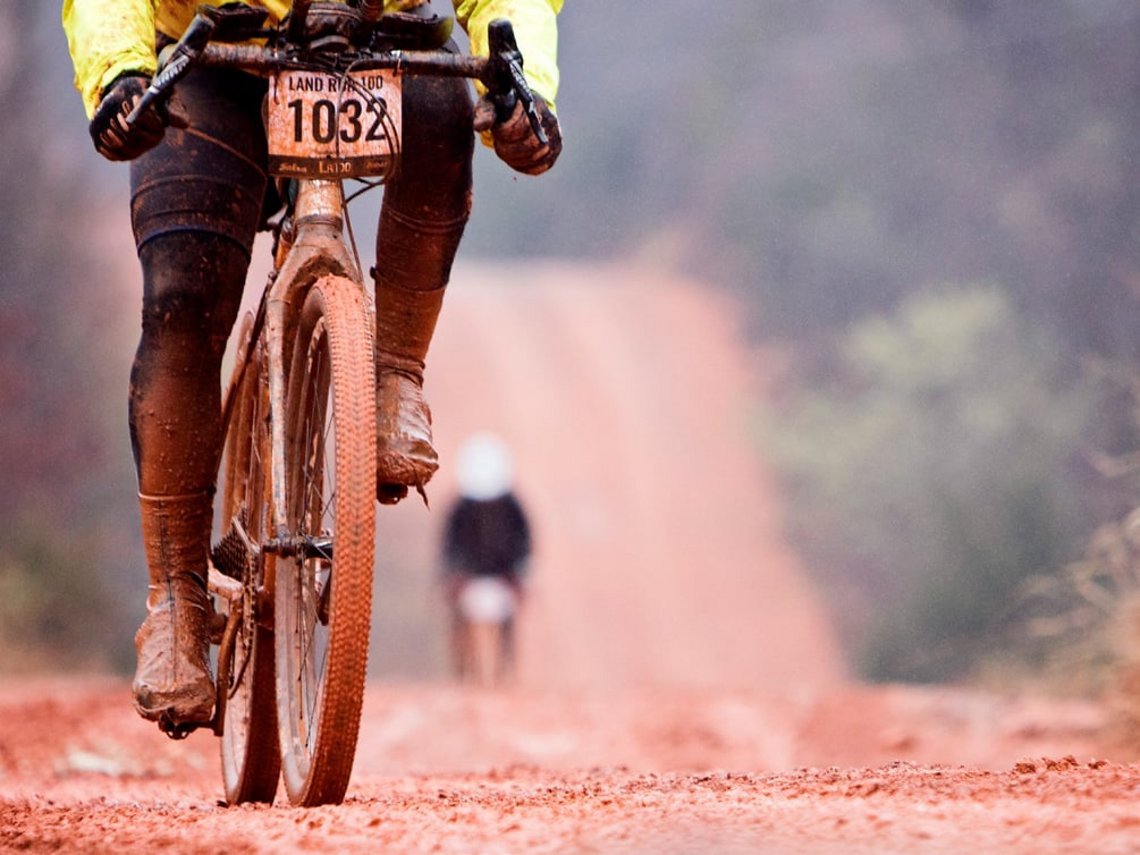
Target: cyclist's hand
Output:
{"points": [[515, 142], [109, 131]]}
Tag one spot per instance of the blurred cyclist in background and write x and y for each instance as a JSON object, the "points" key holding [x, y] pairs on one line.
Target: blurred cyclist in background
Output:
{"points": [[486, 550]]}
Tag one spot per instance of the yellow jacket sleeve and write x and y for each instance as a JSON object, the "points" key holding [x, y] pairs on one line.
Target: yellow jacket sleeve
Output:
{"points": [[106, 38], [536, 29]]}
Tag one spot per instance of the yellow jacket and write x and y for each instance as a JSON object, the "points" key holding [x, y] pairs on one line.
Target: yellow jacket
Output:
{"points": [[108, 37]]}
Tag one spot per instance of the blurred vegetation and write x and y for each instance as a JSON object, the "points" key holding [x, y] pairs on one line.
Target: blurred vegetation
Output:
{"points": [[1082, 625], [62, 509], [826, 159], [932, 208], [929, 473], [837, 164]]}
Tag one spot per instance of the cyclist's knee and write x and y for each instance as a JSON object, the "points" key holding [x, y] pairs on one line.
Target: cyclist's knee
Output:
{"points": [[192, 285], [438, 140]]}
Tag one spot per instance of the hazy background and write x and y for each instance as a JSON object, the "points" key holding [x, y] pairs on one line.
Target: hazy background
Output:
{"points": [[924, 215]]}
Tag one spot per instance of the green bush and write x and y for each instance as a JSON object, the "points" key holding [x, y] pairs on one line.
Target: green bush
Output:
{"points": [[55, 612], [928, 473]]}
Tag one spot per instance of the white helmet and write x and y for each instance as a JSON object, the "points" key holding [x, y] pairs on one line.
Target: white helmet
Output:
{"points": [[485, 470]]}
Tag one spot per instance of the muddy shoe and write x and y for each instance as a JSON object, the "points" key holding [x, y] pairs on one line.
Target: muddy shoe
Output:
{"points": [[404, 453], [405, 322], [172, 684]]}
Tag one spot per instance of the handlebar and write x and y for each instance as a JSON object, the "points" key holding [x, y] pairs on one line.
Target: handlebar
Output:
{"points": [[501, 72]]}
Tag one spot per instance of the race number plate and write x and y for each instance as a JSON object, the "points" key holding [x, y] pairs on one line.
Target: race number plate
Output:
{"points": [[324, 125]]}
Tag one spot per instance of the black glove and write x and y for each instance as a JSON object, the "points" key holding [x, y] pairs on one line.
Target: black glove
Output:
{"points": [[515, 141], [109, 131]]}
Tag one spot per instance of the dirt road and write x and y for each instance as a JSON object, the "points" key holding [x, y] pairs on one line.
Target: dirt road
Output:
{"points": [[680, 687], [445, 770], [625, 396]]}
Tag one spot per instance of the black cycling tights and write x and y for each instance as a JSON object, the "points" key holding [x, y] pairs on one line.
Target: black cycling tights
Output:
{"points": [[196, 203], [192, 290]]}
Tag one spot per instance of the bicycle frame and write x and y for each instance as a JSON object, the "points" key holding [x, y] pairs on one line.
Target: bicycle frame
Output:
{"points": [[316, 248]]}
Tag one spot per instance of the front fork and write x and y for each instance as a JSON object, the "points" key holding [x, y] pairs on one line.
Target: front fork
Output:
{"points": [[318, 248], [312, 246]]}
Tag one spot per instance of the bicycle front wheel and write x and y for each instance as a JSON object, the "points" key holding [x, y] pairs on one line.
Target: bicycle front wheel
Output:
{"points": [[251, 761], [324, 587]]}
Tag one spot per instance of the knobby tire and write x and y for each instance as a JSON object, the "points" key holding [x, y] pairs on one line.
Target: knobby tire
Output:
{"points": [[323, 607]]}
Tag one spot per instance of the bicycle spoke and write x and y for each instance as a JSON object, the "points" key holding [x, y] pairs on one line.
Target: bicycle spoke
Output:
{"points": [[314, 689], [318, 519]]}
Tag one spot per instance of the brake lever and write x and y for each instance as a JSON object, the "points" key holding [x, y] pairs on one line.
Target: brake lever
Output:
{"points": [[185, 53], [506, 81], [523, 93]]}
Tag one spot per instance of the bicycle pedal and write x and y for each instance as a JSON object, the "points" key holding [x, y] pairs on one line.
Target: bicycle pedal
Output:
{"points": [[390, 494], [180, 730]]}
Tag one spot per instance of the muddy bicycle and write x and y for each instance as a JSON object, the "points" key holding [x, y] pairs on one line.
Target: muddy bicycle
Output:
{"points": [[291, 567]]}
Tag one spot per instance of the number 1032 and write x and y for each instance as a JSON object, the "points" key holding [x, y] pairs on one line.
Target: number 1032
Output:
{"points": [[357, 121]]}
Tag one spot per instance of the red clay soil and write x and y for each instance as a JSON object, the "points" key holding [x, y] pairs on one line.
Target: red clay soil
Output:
{"points": [[443, 769], [680, 688]]}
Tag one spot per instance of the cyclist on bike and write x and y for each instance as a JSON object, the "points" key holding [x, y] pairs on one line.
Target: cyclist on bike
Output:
{"points": [[197, 199], [486, 536]]}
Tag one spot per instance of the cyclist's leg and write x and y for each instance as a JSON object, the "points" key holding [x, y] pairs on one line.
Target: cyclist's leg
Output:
{"points": [[196, 201], [422, 220]]}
